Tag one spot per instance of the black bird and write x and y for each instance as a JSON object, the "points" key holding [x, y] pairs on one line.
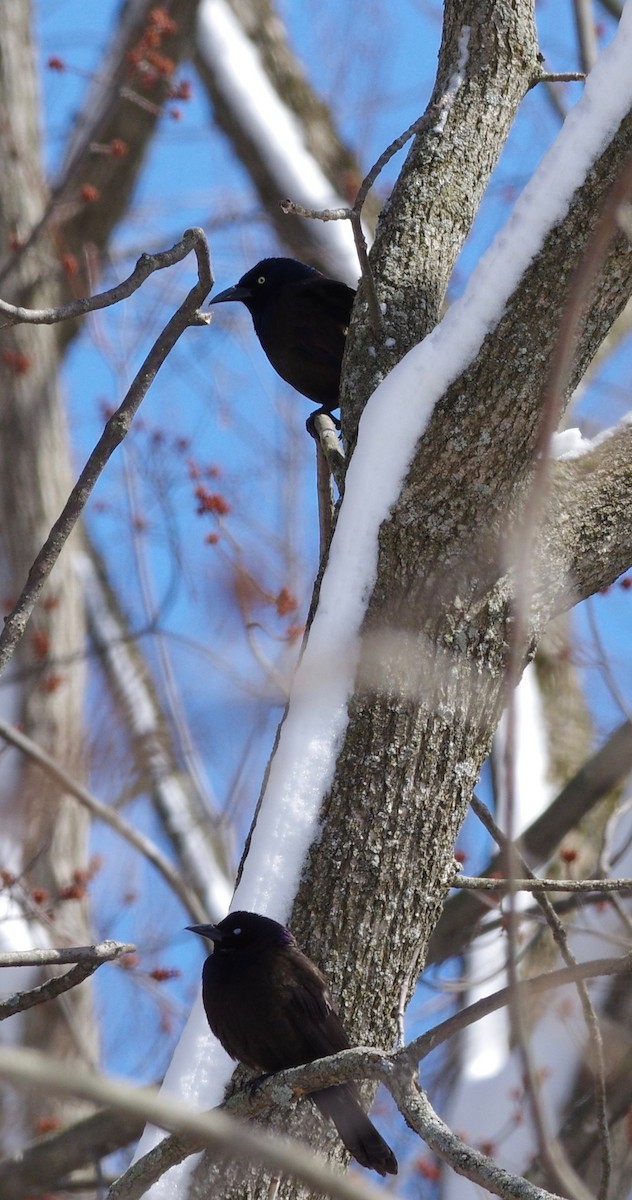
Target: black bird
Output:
{"points": [[270, 1008], [301, 318]]}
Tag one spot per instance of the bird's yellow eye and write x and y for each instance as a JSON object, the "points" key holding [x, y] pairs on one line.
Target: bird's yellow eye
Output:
{"points": [[261, 279]]}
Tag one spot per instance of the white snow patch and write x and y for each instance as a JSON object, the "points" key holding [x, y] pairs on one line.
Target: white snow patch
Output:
{"points": [[455, 81], [569, 443]]}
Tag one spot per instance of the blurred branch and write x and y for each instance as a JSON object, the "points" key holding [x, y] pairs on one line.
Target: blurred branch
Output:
{"points": [[216, 1129], [419, 1115], [87, 958], [257, 28], [586, 33], [115, 431], [538, 985], [551, 1153], [606, 769], [50, 1160], [108, 815]]}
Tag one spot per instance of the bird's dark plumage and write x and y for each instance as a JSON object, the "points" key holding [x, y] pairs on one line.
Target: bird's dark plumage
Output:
{"points": [[301, 318], [270, 1008]]}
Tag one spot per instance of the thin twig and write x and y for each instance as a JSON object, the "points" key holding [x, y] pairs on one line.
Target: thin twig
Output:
{"points": [[537, 985], [550, 1148], [215, 1129], [87, 958], [480, 883], [146, 265], [106, 814], [561, 77], [115, 431], [329, 442], [354, 215]]}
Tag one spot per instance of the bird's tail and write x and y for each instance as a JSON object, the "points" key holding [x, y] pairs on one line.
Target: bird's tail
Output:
{"points": [[358, 1133]]}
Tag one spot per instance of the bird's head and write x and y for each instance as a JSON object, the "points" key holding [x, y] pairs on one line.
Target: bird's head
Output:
{"points": [[244, 930], [258, 286]]}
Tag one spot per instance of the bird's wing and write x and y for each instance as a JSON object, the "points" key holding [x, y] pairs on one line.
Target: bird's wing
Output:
{"points": [[310, 1006], [335, 299]]}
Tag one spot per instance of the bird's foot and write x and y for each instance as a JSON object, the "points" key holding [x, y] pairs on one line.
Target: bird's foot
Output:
{"points": [[251, 1086], [310, 423]]}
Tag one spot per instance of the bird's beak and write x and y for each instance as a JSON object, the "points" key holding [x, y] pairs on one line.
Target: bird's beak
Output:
{"points": [[232, 293], [207, 931]]}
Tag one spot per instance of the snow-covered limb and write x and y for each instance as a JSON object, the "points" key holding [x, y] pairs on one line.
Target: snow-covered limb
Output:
{"points": [[279, 158], [176, 798]]}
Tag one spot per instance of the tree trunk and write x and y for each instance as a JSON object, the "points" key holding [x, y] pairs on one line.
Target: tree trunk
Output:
{"points": [[48, 830]]}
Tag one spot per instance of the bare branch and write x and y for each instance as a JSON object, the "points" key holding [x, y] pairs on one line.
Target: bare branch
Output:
{"points": [[478, 883], [108, 815], [115, 431], [420, 1116], [87, 958], [216, 1129], [420, 1047], [102, 952], [147, 264]]}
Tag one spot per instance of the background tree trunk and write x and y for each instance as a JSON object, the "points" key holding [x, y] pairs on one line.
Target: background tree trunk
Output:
{"points": [[47, 829]]}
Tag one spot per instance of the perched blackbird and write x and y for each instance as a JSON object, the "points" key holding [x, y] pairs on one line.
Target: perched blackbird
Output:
{"points": [[270, 1008], [301, 319]]}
